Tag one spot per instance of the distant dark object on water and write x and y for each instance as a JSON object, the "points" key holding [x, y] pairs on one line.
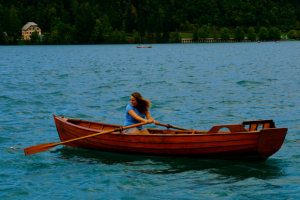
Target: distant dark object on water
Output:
{"points": [[143, 46]]}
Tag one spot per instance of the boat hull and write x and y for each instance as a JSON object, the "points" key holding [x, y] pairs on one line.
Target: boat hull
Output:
{"points": [[263, 143]]}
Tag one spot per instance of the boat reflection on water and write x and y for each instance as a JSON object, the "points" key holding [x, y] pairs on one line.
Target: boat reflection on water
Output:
{"points": [[236, 167]]}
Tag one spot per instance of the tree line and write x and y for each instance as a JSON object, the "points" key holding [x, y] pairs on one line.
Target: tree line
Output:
{"points": [[147, 21]]}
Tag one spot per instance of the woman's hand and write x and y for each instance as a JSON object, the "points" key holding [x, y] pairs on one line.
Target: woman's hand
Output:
{"points": [[150, 120]]}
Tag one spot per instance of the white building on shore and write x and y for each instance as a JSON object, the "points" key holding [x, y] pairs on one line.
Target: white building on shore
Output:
{"points": [[30, 28]]}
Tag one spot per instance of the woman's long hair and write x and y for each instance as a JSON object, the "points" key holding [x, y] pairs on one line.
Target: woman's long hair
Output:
{"points": [[142, 104]]}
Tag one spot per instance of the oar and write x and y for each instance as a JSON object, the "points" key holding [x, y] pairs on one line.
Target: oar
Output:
{"points": [[170, 126], [46, 146]]}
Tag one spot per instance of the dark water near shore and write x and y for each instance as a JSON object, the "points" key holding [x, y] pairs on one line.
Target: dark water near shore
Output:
{"points": [[190, 85]]}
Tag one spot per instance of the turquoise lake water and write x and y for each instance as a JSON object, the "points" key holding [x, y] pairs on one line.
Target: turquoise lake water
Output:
{"points": [[194, 86]]}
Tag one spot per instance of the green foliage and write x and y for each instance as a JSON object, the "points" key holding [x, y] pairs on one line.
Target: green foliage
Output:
{"points": [[3, 38], [118, 37], [106, 28], [176, 37], [204, 32], [239, 34], [13, 25], [263, 33], [225, 34], [98, 35], [196, 35], [61, 34], [293, 34], [214, 32], [84, 23], [137, 38], [35, 38], [251, 34], [90, 21], [274, 33]]}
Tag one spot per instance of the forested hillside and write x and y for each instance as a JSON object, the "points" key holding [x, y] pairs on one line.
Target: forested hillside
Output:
{"points": [[122, 21]]}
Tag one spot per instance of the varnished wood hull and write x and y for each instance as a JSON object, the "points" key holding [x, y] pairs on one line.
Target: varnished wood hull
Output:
{"points": [[263, 143]]}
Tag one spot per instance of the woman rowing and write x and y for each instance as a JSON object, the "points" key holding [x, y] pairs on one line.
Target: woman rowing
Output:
{"points": [[138, 111]]}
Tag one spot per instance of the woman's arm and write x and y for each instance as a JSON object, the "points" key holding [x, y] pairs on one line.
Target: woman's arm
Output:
{"points": [[147, 113], [135, 116]]}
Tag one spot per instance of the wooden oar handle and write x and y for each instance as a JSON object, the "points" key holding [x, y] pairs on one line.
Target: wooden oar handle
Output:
{"points": [[170, 126], [165, 125], [132, 126]]}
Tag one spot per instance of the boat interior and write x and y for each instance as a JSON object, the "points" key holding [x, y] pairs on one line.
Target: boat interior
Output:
{"points": [[245, 126]]}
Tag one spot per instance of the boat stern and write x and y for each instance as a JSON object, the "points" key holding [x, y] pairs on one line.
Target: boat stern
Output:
{"points": [[270, 141]]}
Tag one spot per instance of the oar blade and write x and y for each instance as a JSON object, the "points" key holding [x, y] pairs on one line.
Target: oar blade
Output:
{"points": [[39, 148]]}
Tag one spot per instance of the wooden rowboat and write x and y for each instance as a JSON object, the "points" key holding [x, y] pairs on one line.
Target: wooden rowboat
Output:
{"points": [[259, 138]]}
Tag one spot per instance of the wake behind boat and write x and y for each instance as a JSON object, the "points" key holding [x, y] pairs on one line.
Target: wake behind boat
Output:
{"points": [[259, 138]]}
